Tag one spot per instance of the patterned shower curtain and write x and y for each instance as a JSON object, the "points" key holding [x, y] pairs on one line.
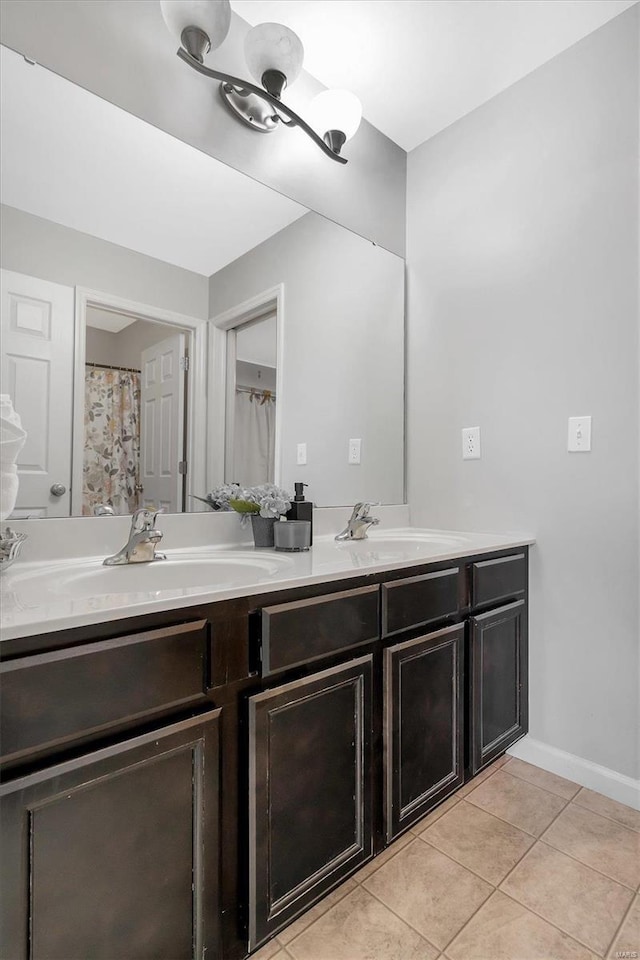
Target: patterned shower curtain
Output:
{"points": [[111, 440]]}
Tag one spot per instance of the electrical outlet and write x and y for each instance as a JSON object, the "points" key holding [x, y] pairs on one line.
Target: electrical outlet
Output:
{"points": [[579, 437], [471, 443], [354, 451], [301, 459]]}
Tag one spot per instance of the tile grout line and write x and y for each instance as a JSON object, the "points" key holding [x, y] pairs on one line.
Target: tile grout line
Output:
{"points": [[607, 876], [494, 887], [404, 920], [284, 946], [622, 923], [535, 912], [470, 869], [511, 824], [604, 815], [479, 907], [468, 921], [550, 923], [407, 833], [524, 780], [503, 769], [595, 869], [618, 823], [538, 839]]}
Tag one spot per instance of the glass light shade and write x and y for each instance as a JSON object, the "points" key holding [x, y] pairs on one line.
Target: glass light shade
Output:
{"points": [[213, 17], [270, 46], [335, 110]]}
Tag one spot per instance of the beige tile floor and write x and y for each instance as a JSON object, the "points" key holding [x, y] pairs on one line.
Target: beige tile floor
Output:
{"points": [[518, 865]]}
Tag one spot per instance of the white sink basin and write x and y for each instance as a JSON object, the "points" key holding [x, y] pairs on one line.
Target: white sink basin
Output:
{"points": [[389, 546], [88, 579], [409, 542]]}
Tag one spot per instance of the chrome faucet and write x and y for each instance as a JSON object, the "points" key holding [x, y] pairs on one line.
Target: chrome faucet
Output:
{"points": [[359, 522], [143, 537]]}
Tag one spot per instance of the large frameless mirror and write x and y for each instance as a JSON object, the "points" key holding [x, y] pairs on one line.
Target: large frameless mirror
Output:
{"points": [[170, 324]]}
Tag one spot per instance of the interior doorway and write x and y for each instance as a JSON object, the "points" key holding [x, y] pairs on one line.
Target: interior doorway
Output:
{"points": [[246, 392], [135, 416]]}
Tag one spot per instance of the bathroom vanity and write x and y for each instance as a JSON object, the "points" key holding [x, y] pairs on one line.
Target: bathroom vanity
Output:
{"points": [[185, 782]]}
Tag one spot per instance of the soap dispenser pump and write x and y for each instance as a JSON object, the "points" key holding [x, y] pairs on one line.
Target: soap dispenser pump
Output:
{"points": [[301, 509]]}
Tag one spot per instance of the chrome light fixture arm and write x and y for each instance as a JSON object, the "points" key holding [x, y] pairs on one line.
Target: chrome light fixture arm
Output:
{"points": [[280, 108]]}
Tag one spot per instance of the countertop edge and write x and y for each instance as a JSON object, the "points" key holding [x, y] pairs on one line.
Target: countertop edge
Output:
{"points": [[47, 624]]}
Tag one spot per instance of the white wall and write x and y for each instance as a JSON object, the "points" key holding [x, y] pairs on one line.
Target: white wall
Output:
{"points": [[50, 251], [523, 310], [343, 355]]}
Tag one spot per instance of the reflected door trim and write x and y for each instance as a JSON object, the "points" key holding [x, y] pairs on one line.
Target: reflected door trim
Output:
{"points": [[196, 430], [271, 300]]}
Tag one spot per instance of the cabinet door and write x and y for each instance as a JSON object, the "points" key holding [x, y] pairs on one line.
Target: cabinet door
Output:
{"points": [[423, 725], [309, 791], [115, 854], [499, 687]]}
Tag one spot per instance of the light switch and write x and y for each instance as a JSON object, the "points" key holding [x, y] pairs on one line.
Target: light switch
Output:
{"points": [[354, 451], [579, 440], [302, 454]]}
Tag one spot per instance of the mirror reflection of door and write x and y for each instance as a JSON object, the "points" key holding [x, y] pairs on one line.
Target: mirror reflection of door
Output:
{"points": [[162, 425], [135, 413], [36, 319], [251, 402]]}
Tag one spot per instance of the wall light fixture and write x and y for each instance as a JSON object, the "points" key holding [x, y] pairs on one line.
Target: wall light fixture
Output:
{"points": [[274, 56]]}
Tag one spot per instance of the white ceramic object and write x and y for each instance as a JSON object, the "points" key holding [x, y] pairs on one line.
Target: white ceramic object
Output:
{"points": [[177, 575]]}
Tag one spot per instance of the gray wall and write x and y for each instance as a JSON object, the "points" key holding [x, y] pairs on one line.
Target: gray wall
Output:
{"points": [[523, 310], [123, 52], [47, 250], [124, 348], [343, 362]]}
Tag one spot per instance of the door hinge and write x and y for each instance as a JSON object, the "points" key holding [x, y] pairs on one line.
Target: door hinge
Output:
{"points": [[182, 466], [184, 363]]}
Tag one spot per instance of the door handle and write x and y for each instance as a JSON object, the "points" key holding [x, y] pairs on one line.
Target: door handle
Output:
{"points": [[58, 489]]}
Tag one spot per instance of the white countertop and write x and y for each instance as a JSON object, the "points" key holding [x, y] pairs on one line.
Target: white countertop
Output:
{"points": [[42, 596]]}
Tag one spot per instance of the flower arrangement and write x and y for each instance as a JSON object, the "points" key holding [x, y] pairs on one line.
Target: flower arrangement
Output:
{"points": [[267, 500], [221, 497]]}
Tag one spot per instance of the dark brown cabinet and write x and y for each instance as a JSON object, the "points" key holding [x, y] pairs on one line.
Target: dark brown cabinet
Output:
{"points": [[310, 821], [423, 725], [182, 784], [498, 709], [115, 854]]}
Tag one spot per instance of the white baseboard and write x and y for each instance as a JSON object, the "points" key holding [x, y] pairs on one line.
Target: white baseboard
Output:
{"points": [[617, 786]]}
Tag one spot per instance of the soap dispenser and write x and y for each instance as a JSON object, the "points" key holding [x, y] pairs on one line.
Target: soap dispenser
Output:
{"points": [[301, 509]]}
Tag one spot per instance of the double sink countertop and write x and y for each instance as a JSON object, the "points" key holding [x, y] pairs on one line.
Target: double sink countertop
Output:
{"points": [[44, 595]]}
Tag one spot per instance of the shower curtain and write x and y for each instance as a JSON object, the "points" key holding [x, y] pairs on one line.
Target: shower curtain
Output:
{"points": [[111, 440], [254, 441]]}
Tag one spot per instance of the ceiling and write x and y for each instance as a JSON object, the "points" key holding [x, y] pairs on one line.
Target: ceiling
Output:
{"points": [[420, 65], [72, 158]]}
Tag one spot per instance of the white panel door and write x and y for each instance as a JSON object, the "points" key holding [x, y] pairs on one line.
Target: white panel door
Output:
{"points": [[162, 424], [37, 324]]}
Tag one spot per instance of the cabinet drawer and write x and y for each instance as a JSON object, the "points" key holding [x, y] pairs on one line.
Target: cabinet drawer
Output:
{"points": [[52, 698], [493, 580], [417, 601], [300, 632]]}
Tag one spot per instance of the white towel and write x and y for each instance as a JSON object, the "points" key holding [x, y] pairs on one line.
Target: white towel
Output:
{"points": [[12, 439]]}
